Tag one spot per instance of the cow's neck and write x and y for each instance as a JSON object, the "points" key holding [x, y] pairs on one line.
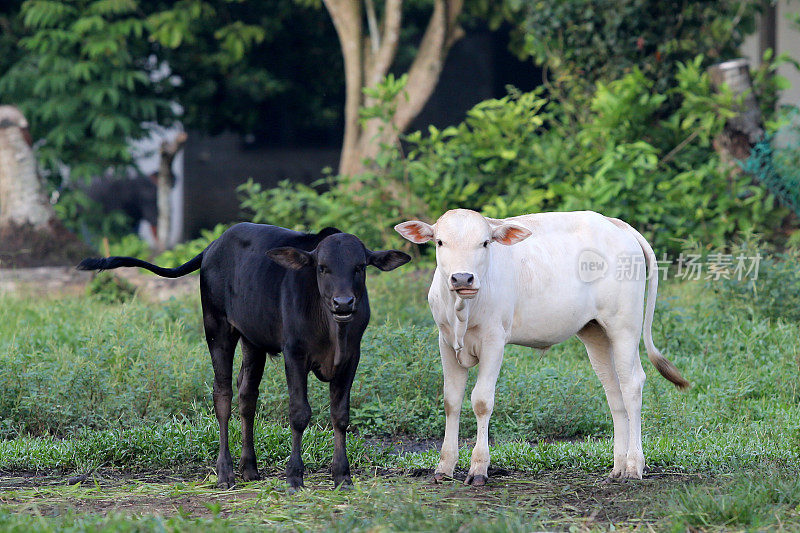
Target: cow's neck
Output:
{"points": [[461, 308], [340, 344], [337, 334]]}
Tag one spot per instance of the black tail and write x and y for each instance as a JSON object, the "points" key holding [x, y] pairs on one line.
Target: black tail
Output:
{"points": [[107, 263]]}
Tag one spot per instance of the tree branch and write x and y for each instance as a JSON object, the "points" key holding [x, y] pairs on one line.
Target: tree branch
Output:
{"points": [[372, 24], [392, 19], [442, 32]]}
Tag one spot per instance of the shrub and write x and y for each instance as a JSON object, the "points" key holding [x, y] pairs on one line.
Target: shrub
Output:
{"points": [[774, 290], [185, 251], [110, 288]]}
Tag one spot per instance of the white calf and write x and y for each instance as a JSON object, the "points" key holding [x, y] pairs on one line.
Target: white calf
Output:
{"points": [[567, 274]]}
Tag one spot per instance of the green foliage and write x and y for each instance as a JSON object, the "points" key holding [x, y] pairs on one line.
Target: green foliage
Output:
{"points": [[110, 288], [87, 218], [75, 363], [239, 66], [585, 41], [635, 153], [185, 251], [773, 291], [130, 245], [82, 76], [91, 75], [753, 500]]}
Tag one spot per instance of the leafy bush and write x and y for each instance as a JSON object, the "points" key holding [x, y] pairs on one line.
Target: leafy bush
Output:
{"points": [[185, 251], [584, 41], [773, 291], [622, 156], [110, 288]]}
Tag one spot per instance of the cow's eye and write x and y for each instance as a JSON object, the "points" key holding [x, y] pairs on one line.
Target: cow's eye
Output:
{"points": [[438, 242], [485, 243], [323, 269]]}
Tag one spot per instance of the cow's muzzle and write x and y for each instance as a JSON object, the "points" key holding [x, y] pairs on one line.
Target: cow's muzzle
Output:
{"points": [[463, 283], [343, 308]]}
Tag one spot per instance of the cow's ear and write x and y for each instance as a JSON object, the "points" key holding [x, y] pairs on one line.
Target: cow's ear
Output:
{"points": [[510, 233], [388, 259], [291, 258], [415, 231]]}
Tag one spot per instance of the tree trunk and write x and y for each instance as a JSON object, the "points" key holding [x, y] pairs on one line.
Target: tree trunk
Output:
{"points": [[165, 183], [744, 130], [367, 63], [30, 233], [22, 197]]}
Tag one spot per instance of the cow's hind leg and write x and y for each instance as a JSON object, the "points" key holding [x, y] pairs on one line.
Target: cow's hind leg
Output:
{"points": [[253, 360], [340, 417], [222, 339], [491, 359], [299, 412], [625, 346], [455, 381], [599, 348]]}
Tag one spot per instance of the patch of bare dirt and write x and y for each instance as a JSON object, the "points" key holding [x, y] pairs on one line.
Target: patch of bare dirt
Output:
{"points": [[67, 281], [563, 495], [571, 496]]}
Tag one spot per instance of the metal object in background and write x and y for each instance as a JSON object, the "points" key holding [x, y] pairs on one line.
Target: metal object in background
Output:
{"points": [[775, 162]]}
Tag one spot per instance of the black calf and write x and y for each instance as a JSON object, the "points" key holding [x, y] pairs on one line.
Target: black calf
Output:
{"points": [[279, 290]]}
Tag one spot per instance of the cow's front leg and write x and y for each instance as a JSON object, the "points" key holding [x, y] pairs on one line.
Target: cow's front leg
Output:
{"points": [[299, 413], [491, 358], [340, 418], [455, 380]]}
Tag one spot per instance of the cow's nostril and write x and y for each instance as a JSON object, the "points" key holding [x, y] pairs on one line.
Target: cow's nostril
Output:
{"points": [[343, 302], [461, 280]]}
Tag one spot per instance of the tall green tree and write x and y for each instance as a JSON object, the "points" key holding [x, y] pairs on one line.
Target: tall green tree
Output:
{"points": [[92, 75], [581, 42], [86, 81]]}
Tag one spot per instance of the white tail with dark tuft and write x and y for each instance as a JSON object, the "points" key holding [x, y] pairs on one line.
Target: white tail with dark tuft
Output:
{"points": [[662, 364]]}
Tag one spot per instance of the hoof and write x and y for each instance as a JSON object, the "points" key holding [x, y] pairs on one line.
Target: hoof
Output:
{"points": [[438, 477], [477, 480], [226, 481], [251, 475], [610, 480], [343, 483], [295, 483]]}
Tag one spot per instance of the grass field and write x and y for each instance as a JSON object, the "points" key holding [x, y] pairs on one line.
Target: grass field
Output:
{"points": [[117, 396]]}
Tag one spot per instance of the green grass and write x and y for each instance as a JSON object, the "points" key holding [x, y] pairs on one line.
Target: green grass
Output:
{"points": [[755, 500], [88, 384]]}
